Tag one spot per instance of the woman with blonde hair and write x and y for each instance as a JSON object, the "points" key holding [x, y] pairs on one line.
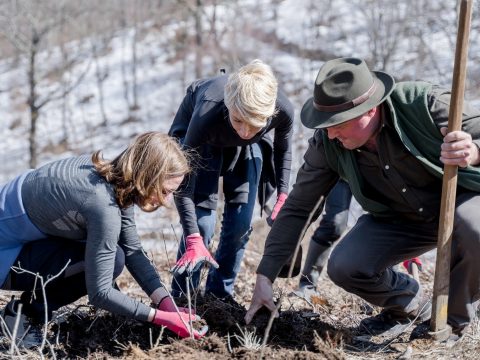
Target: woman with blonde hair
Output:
{"points": [[78, 212], [227, 120]]}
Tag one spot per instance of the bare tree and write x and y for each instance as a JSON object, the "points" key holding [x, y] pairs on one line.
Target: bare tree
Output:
{"points": [[197, 13], [134, 50], [195, 10], [131, 13], [386, 24], [29, 27], [101, 30], [101, 73]]}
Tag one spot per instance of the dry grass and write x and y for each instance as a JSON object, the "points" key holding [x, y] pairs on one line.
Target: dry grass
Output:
{"points": [[335, 309]]}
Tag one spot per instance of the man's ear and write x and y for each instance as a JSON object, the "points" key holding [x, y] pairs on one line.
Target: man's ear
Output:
{"points": [[372, 111]]}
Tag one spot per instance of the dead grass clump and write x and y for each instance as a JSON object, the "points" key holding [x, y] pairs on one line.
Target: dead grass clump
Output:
{"points": [[328, 348]]}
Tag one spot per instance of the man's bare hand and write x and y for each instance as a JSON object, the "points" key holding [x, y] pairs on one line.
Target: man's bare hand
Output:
{"points": [[262, 296], [458, 149]]}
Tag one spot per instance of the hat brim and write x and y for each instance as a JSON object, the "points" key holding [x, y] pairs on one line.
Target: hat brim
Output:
{"points": [[314, 119]]}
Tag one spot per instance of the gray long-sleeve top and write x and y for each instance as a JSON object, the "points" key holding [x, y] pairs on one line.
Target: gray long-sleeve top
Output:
{"points": [[392, 176], [68, 199]]}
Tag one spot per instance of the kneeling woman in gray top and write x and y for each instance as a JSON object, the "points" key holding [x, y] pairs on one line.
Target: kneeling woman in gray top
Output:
{"points": [[80, 210]]}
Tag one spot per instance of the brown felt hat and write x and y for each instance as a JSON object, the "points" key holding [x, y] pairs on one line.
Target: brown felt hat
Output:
{"points": [[344, 89]]}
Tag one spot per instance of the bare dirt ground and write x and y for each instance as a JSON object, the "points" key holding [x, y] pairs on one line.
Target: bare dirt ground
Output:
{"points": [[326, 328]]}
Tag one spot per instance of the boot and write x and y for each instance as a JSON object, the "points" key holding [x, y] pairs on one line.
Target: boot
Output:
{"points": [[317, 257], [28, 333]]}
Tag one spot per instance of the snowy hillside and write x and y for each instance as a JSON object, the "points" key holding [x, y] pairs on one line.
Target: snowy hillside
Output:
{"points": [[291, 35]]}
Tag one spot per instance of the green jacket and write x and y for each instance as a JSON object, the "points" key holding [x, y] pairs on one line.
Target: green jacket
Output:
{"points": [[409, 112]]}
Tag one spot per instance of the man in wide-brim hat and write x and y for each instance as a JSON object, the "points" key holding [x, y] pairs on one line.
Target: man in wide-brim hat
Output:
{"points": [[389, 142]]}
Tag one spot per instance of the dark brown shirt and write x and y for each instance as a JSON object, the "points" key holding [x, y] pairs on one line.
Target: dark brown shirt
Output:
{"points": [[393, 176]]}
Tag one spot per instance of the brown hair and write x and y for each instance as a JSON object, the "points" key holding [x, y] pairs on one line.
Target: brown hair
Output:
{"points": [[140, 171]]}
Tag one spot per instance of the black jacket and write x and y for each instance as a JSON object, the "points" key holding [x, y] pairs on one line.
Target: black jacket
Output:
{"points": [[202, 124]]}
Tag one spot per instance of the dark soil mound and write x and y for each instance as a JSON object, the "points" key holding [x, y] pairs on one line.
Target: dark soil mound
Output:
{"points": [[292, 329], [86, 332]]}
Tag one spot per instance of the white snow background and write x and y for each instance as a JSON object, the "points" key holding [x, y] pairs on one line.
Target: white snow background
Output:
{"points": [[340, 29]]}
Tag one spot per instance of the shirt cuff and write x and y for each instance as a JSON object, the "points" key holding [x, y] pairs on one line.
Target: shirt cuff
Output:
{"points": [[269, 268], [158, 295]]}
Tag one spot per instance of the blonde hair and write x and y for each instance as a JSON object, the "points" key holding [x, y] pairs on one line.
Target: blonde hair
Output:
{"points": [[140, 171], [251, 92]]}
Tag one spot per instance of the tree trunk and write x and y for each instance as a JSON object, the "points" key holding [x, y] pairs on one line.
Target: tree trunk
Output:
{"points": [[100, 76], [134, 68], [134, 57], [32, 101], [198, 40], [126, 92]]}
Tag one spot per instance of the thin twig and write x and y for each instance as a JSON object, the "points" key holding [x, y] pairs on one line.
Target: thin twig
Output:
{"points": [[152, 261], [120, 345], [15, 329], [189, 307], [159, 337], [166, 251], [93, 322], [229, 346], [57, 337], [43, 284], [52, 350], [175, 236], [150, 337], [290, 271], [34, 294]]}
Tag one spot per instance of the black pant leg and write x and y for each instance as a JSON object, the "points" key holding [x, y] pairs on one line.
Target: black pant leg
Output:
{"points": [[47, 258]]}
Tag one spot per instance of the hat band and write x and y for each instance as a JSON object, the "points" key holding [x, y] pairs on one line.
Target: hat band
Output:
{"points": [[349, 104]]}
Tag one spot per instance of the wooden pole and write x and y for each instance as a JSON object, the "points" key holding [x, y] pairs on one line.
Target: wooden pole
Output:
{"points": [[442, 269]]}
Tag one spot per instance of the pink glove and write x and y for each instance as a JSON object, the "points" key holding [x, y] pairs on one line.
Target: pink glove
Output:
{"points": [[167, 304], [276, 209], [173, 321], [407, 264], [195, 254]]}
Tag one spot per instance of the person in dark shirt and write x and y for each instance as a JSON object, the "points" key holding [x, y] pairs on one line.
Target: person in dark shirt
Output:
{"points": [[227, 121], [74, 217], [390, 142]]}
